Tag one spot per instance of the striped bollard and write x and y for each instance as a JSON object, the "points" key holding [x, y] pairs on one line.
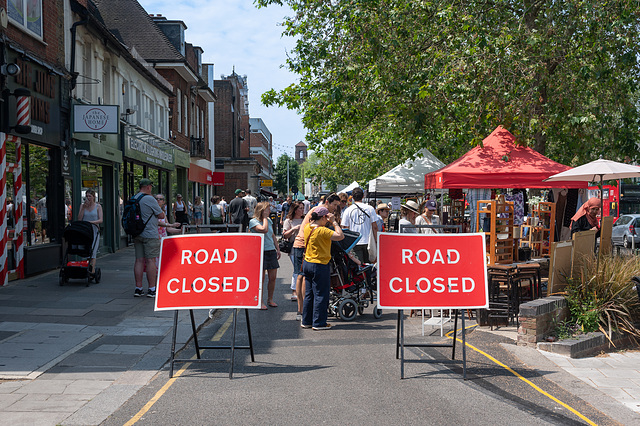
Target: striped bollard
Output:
{"points": [[3, 211], [18, 208]]}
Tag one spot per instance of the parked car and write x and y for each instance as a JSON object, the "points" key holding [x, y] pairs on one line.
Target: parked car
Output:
{"points": [[625, 229]]}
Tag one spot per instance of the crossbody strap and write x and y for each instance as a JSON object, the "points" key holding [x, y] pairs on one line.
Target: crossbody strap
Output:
{"points": [[306, 243]]}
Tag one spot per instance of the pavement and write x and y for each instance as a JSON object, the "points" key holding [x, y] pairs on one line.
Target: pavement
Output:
{"points": [[74, 354]]}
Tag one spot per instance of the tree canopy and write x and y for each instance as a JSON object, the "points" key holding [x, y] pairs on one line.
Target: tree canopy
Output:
{"points": [[280, 183], [381, 79]]}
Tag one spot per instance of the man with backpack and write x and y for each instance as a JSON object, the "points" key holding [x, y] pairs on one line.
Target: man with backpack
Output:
{"points": [[361, 218], [147, 244]]}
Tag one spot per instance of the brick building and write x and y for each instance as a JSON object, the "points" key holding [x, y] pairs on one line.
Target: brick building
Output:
{"points": [[232, 135]]}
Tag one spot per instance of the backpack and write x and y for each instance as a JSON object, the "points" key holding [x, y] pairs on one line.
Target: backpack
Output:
{"points": [[132, 222]]}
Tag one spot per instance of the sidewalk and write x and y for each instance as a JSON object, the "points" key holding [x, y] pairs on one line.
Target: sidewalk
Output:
{"points": [[74, 354]]}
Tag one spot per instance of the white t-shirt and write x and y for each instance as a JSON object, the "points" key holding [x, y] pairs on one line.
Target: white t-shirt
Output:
{"points": [[307, 204], [359, 220], [252, 203], [435, 220]]}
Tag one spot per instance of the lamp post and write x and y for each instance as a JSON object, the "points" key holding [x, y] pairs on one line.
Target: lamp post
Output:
{"points": [[287, 175]]}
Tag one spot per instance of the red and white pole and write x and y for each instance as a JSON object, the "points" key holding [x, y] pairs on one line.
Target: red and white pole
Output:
{"points": [[18, 208], [4, 277]]}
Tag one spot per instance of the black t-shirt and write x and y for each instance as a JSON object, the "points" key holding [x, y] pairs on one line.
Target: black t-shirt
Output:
{"points": [[582, 224], [237, 211]]}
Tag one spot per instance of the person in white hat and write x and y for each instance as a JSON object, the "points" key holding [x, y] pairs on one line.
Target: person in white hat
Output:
{"points": [[409, 211]]}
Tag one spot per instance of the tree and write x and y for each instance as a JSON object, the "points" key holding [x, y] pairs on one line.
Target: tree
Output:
{"points": [[280, 183], [381, 79]]}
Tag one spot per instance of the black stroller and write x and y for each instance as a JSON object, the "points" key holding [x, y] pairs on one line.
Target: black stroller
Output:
{"points": [[353, 286], [79, 242]]}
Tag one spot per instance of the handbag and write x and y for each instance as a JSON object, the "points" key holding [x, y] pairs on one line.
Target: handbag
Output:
{"points": [[285, 245], [372, 248]]}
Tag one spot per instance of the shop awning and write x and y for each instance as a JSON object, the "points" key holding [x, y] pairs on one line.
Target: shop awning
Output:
{"points": [[205, 176]]}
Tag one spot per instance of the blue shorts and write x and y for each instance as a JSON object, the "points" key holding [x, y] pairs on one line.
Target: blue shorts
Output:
{"points": [[298, 257], [197, 215]]}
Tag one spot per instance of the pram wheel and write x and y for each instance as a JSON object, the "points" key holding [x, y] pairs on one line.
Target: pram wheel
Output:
{"points": [[377, 312], [98, 275], [62, 279], [347, 310]]}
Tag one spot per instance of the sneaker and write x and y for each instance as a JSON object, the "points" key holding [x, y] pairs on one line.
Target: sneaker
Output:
{"points": [[326, 327], [304, 325], [299, 317], [138, 293], [151, 293]]}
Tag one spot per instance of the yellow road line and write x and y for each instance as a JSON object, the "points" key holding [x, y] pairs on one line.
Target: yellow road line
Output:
{"points": [[170, 382], [515, 373]]}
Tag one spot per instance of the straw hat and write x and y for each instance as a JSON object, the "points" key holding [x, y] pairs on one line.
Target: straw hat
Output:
{"points": [[412, 205], [382, 206]]}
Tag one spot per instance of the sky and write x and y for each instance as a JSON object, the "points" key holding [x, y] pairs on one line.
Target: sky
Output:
{"points": [[234, 33]]}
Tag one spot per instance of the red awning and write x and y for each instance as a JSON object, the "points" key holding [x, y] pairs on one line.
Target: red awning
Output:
{"points": [[499, 163], [205, 176]]}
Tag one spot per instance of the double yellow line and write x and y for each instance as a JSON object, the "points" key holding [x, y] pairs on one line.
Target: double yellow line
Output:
{"points": [[515, 373], [172, 380]]}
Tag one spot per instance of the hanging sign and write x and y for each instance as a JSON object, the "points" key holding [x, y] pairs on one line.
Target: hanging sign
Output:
{"points": [[210, 271], [95, 118], [418, 271]]}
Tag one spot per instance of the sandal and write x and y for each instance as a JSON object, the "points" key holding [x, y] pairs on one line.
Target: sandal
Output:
{"points": [[272, 304]]}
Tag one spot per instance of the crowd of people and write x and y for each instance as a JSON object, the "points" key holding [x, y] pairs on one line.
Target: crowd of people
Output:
{"points": [[309, 227]]}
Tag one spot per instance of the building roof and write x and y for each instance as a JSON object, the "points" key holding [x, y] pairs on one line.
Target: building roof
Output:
{"points": [[301, 144], [128, 20]]}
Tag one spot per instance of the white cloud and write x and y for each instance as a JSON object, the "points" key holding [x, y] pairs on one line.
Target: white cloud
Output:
{"points": [[234, 33]]}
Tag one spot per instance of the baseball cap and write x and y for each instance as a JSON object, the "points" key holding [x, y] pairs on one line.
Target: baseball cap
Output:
{"points": [[321, 211], [430, 205], [239, 191], [145, 182]]}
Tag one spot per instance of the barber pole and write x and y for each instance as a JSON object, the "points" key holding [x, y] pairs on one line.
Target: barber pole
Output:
{"points": [[23, 107], [3, 210]]}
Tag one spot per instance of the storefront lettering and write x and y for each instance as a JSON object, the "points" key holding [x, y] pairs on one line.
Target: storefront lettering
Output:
{"points": [[40, 110], [45, 84], [150, 150]]}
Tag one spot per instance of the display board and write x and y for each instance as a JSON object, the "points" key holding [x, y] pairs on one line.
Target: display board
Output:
{"points": [[427, 271], [210, 271]]}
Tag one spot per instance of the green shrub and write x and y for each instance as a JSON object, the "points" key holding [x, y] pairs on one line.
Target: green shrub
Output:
{"points": [[602, 297]]}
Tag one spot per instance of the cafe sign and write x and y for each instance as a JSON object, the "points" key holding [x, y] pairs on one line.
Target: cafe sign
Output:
{"points": [[96, 119]]}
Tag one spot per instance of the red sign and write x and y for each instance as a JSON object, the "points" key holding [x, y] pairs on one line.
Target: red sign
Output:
{"points": [[418, 271], [217, 178], [210, 271]]}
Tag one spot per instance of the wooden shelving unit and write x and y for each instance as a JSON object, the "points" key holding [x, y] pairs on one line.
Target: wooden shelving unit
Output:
{"points": [[499, 236], [540, 232]]}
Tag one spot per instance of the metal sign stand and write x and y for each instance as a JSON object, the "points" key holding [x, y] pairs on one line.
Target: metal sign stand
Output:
{"points": [[233, 346], [400, 343]]}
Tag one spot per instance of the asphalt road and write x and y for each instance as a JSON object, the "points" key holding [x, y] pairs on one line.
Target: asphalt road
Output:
{"points": [[349, 375]]}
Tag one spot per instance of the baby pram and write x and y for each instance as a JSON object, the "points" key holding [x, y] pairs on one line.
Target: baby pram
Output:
{"points": [[79, 242], [353, 285]]}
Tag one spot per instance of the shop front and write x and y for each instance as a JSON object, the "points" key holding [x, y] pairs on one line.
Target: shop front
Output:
{"points": [[147, 155], [34, 186]]}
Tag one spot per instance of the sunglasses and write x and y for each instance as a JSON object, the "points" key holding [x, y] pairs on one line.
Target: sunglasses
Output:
{"points": [[159, 198]]}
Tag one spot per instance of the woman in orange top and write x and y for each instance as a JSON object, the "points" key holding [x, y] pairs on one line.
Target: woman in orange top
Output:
{"points": [[317, 238]]}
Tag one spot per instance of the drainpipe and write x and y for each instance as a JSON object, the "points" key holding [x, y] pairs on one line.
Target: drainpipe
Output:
{"points": [[74, 74]]}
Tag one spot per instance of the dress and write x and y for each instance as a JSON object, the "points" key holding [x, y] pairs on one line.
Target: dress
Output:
{"points": [[582, 224], [90, 216], [198, 211]]}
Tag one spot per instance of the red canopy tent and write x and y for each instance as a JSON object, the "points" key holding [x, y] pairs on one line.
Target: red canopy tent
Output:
{"points": [[499, 163]]}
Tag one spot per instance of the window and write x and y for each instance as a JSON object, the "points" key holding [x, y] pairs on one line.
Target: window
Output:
{"points": [[26, 14], [185, 115], [179, 112]]}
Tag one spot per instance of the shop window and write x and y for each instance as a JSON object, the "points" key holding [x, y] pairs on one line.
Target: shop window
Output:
{"points": [[26, 14], [38, 192]]}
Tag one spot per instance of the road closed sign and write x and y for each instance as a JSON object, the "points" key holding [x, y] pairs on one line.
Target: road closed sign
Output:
{"points": [[418, 271], [210, 271]]}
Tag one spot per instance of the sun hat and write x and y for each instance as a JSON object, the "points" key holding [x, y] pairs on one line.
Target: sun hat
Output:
{"points": [[412, 205], [382, 206], [145, 182], [239, 191], [431, 205]]}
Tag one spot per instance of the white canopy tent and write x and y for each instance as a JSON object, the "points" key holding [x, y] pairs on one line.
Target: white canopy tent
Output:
{"points": [[406, 178], [353, 185]]}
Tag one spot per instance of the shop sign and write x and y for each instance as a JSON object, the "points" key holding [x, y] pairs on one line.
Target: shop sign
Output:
{"points": [[210, 271], [423, 271], [217, 178], [44, 86], [96, 119], [144, 151], [266, 182]]}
